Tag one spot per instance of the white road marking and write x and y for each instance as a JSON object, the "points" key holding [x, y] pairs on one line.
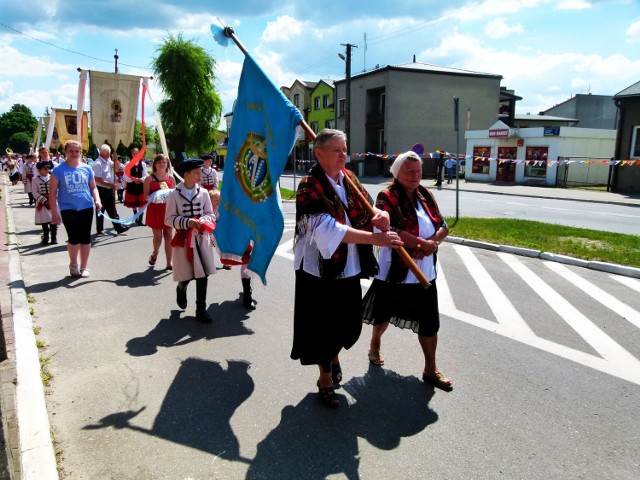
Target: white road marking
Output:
{"points": [[504, 311], [606, 299], [632, 283]]}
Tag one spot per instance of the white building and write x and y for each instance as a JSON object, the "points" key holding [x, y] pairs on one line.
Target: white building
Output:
{"points": [[539, 155]]}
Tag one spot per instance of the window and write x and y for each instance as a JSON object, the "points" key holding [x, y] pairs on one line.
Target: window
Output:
{"points": [[316, 103], [536, 162], [330, 124], [341, 106], [635, 143], [296, 100], [314, 126], [481, 160], [326, 100]]}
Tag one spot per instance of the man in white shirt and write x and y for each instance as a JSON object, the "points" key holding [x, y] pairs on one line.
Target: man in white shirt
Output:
{"points": [[103, 169]]}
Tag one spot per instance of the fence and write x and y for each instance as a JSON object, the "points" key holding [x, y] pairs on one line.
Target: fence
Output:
{"points": [[582, 172]]}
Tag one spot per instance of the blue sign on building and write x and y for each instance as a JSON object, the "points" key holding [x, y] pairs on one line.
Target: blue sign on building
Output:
{"points": [[551, 131]]}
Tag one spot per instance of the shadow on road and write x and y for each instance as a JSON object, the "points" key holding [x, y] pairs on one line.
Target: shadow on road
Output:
{"points": [[312, 438], [176, 331], [197, 409]]}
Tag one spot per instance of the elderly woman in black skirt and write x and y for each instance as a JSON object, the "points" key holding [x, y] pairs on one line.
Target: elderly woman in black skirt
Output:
{"points": [[333, 251], [395, 295]]}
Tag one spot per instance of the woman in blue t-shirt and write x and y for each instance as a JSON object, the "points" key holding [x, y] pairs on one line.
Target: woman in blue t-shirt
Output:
{"points": [[73, 191]]}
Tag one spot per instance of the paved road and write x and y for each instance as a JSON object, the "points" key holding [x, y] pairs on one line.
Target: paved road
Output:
{"points": [[544, 359]]}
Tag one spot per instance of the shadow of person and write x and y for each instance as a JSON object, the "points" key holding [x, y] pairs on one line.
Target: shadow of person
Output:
{"points": [[312, 441], [197, 410], [389, 406], [143, 278], [176, 331]]}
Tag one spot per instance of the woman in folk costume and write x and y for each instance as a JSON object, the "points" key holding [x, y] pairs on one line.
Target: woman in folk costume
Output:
{"points": [[161, 180], [120, 182], [134, 193], [209, 174], [189, 212], [40, 190], [332, 252], [396, 296]]}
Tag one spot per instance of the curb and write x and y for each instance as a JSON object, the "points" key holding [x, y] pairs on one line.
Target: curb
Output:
{"points": [[36, 453], [551, 257]]}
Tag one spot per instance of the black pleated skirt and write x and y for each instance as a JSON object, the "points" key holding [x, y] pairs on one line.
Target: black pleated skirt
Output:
{"points": [[327, 317], [404, 305]]}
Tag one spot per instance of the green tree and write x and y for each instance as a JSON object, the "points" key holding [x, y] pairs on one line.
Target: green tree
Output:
{"points": [[20, 142], [192, 108], [17, 120], [150, 136]]}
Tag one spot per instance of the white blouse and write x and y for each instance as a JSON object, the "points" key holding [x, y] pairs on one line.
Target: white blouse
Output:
{"points": [[324, 239], [427, 229]]}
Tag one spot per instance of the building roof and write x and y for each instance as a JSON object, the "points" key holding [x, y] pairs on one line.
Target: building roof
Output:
{"points": [[542, 118], [632, 91], [424, 68]]}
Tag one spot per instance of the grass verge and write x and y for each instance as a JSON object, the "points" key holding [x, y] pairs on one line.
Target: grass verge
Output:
{"points": [[592, 245]]}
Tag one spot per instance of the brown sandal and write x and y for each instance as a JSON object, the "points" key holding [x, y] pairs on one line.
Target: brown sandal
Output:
{"points": [[438, 380], [375, 357]]}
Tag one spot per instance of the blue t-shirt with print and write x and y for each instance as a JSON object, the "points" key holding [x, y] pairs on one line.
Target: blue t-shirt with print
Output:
{"points": [[74, 192]]}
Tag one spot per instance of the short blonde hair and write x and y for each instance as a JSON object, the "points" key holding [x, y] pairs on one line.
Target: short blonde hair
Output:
{"points": [[75, 143]]}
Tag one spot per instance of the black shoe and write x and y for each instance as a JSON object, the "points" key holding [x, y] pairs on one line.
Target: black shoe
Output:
{"points": [[181, 295], [121, 229], [54, 241], [203, 316]]}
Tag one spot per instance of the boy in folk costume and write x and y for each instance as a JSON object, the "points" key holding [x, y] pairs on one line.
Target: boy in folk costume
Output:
{"points": [[229, 260], [40, 190], [120, 182], [189, 212], [28, 172], [209, 174]]}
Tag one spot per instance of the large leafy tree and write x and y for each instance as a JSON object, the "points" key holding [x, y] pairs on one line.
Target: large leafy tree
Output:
{"points": [[191, 109], [17, 120]]}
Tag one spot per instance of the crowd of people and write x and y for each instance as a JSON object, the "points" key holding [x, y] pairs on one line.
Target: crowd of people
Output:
{"points": [[337, 226]]}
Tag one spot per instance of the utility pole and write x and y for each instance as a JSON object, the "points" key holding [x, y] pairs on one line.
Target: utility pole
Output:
{"points": [[456, 127], [347, 103]]}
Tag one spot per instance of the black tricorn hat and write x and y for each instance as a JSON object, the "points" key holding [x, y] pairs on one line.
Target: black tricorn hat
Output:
{"points": [[45, 164], [188, 165]]}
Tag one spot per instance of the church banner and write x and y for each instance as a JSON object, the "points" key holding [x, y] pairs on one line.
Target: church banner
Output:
{"points": [[114, 106], [67, 127]]}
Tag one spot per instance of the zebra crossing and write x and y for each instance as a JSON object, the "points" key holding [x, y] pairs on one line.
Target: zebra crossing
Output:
{"points": [[592, 306]]}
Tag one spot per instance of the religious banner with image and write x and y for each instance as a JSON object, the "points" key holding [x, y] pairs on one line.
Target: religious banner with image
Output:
{"points": [[114, 106], [66, 126]]}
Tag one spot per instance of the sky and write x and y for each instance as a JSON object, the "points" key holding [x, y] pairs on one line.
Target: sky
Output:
{"points": [[546, 50]]}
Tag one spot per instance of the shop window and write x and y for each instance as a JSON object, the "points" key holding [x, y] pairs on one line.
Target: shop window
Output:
{"points": [[536, 162], [481, 160], [635, 143]]}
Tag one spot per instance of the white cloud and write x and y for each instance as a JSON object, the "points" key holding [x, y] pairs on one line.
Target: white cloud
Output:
{"points": [[633, 32], [284, 28], [28, 66], [573, 5], [499, 28]]}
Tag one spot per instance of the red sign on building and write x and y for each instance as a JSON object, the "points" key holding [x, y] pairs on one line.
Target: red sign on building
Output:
{"points": [[501, 133]]}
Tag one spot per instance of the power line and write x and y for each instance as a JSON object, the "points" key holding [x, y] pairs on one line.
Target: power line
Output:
{"points": [[66, 49]]}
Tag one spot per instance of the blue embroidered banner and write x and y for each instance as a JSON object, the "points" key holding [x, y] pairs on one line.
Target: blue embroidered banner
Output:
{"points": [[262, 135]]}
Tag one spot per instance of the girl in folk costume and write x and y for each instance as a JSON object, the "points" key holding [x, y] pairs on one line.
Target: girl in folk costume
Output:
{"points": [[134, 195], [28, 172], [189, 212], [160, 180], [40, 190], [209, 174], [229, 260]]}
